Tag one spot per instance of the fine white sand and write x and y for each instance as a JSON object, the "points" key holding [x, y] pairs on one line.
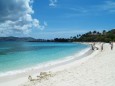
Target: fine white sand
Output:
{"points": [[97, 69]]}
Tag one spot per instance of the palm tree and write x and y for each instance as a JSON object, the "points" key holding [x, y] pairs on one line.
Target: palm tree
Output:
{"points": [[94, 32], [104, 32]]}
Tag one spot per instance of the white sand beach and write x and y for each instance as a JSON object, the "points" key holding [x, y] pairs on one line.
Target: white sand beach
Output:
{"points": [[96, 69]]}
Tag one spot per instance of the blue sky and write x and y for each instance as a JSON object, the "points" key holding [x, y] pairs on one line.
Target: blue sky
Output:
{"points": [[65, 18], [69, 17]]}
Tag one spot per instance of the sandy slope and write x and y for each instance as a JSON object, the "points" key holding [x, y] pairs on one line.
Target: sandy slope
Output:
{"points": [[98, 69]]}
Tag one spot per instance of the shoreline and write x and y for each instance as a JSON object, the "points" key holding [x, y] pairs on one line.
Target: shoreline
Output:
{"points": [[95, 69], [46, 66]]}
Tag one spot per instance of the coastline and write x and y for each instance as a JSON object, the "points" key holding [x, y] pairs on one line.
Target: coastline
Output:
{"points": [[45, 64], [96, 69], [51, 65]]}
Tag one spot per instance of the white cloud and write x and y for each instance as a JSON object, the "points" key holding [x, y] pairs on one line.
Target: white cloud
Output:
{"points": [[108, 6], [16, 17], [98, 9], [45, 23], [53, 3], [44, 26], [79, 10]]}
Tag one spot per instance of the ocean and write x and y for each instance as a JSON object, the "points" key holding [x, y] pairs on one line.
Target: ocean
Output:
{"points": [[20, 55]]}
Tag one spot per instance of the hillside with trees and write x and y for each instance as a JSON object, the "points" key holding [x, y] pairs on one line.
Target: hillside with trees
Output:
{"points": [[91, 36], [95, 36]]}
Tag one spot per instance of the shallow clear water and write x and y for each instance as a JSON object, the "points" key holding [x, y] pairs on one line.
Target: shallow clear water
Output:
{"points": [[19, 55]]}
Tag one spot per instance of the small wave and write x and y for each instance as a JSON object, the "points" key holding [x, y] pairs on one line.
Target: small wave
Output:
{"points": [[47, 64]]}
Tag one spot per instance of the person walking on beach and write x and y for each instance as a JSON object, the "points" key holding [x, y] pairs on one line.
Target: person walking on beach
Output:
{"points": [[111, 46], [92, 47], [101, 47]]}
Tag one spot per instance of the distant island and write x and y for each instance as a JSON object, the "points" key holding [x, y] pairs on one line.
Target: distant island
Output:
{"points": [[91, 36]]}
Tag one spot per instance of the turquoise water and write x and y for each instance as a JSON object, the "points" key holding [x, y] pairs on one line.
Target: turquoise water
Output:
{"points": [[19, 55]]}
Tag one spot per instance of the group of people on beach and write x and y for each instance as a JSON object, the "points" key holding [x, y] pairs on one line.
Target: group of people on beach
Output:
{"points": [[93, 47]]}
